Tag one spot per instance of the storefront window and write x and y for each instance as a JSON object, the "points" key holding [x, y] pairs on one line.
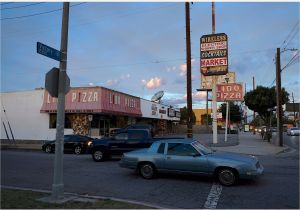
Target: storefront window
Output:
{"points": [[52, 121]]}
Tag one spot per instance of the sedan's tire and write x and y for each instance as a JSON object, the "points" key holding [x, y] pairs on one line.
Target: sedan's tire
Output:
{"points": [[48, 149], [227, 176], [147, 170], [98, 155], [77, 150]]}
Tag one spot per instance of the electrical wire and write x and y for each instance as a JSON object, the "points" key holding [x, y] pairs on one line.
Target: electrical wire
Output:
{"points": [[36, 14], [22, 6], [290, 63], [288, 39]]}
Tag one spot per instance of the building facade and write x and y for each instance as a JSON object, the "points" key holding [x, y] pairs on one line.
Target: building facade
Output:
{"points": [[92, 111]]}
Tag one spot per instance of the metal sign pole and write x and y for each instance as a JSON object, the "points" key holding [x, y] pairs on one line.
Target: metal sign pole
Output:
{"points": [[214, 106], [226, 124], [58, 185], [214, 86]]}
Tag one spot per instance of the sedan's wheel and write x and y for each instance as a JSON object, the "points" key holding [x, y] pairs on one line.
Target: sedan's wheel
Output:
{"points": [[147, 170], [227, 177], [98, 155], [48, 149], [77, 150]]}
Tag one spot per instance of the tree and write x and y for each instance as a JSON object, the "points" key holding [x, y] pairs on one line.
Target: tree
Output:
{"points": [[263, 100], [236, 113], [184, 116]]}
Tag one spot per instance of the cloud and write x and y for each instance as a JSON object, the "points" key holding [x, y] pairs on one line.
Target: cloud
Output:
{"points": [[183, 69], [171, 69], [197, 96], [112, 82], [124, 77], [153, 83]]}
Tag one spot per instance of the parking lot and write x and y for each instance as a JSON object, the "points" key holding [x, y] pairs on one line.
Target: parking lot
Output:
{"points": [[84, 176]]}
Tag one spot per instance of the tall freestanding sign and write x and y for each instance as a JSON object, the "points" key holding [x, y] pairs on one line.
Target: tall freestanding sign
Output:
{"points": [[214, 54], [214, 61]]}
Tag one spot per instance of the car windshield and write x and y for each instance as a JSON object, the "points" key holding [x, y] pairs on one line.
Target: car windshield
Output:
{"points": [[205, 150]]}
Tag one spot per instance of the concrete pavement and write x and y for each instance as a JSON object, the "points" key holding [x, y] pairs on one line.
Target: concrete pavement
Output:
{"points": [[244, 142], [253, 145]]}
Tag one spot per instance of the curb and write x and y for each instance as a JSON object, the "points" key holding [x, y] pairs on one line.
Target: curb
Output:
{"points": [[286, 150], [5, 147], [89, 196]]}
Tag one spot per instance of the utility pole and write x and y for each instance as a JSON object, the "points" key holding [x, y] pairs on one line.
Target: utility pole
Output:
{"points": [[207, 110], [188, 72], [294, 109], [245, 120], [254, 124], [279, 100], [214, 87], [58, 185]]}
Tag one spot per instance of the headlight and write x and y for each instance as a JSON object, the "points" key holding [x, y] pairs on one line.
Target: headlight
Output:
{"points": [[90, 143]]}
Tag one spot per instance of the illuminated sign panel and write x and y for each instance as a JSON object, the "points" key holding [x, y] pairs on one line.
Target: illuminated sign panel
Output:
{"points": [[214, 54], [230, 92]]}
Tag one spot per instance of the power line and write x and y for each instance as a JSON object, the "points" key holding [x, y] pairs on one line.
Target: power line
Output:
{"points": [[288, 39], [119, 16], [293, 61], [41, 13], [22, 6]]}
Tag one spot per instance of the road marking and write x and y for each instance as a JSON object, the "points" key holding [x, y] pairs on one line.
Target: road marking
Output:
{"points": [[213, 196]]}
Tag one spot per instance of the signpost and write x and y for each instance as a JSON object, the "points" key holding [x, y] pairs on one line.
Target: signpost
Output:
{"points": [[48, 51], [214, 61]]}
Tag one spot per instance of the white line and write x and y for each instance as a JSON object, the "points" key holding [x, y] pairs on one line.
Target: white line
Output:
{"points": [[213, 196]]}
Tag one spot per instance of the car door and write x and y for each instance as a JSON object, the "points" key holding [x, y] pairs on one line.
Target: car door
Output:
{"points": [[137, 139], [68, 143], [117, 143], [185, 158]]}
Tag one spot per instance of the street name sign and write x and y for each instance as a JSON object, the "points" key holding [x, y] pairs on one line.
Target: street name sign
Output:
{"points": [[48, 51], [230, 92], [214, 54]]}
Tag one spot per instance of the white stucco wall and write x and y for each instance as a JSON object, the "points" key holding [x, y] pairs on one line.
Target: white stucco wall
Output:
{"points": [[23, 113], [146, 107]]}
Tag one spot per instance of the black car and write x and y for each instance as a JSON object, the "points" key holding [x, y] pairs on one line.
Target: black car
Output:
{"points": [[72, 143]]}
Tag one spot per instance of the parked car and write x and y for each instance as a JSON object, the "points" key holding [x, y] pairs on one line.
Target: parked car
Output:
{"points": [[190, 156], [132, 139], [72, 143], [293, 131]]}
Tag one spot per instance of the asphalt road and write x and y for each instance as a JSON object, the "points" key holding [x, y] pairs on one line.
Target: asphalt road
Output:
{"points": [[278, 188]]}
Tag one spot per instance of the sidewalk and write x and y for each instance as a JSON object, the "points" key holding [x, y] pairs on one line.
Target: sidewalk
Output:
{"points": [[253, 145], [245, 143]]}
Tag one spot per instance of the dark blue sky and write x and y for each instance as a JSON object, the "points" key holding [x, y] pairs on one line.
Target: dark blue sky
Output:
{"points": [[139, 48]]}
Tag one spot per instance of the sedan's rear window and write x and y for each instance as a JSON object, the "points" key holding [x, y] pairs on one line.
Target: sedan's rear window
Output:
{"points": [[161, 148]]}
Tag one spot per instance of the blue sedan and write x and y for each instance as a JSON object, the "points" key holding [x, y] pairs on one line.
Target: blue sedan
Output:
{"points": [[190, 156]]}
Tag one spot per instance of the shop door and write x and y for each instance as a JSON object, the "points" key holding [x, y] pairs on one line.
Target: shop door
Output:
{"points": [[104, 127]]}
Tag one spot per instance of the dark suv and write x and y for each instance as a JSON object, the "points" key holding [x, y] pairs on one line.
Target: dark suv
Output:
{"points": [[72, 143], [135, 126]]}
